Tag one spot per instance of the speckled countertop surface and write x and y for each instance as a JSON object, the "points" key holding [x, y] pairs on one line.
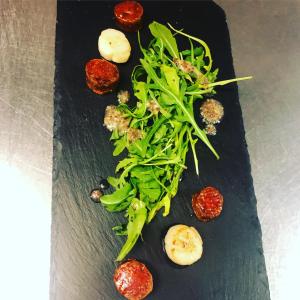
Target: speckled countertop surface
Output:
{"points": [[265, 40]]}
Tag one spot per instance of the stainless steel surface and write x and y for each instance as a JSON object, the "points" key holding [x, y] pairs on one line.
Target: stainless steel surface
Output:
{"points": [[266, 44], [27, 31]]}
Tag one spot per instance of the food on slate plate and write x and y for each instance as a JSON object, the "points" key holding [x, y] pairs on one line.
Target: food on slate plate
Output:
{"points": [[123, 96], [212, 111], [159, 130], [183, 245], [114, 120], [207, 204], [210, 129], [114, 46], [129, 15], [95, 195], [133, 280], [101, 76]]}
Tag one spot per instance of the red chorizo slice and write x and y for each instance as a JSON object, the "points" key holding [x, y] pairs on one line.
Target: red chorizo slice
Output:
{"points": [[101, 76], [129, 15], [207, 204], [133, 280]]}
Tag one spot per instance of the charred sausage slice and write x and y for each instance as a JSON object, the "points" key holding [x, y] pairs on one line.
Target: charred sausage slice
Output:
{"points": [[101, 76], [129, 15], [133, 280], [207, 204]]}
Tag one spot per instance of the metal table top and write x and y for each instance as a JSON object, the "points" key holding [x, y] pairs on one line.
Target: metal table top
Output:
{"points": [[265, 40]]}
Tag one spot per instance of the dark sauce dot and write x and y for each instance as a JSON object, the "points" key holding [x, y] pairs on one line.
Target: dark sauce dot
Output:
{"points": [[95, 195], [104, 185]]}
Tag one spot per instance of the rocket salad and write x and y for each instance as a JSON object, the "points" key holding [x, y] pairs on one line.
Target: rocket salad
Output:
{"points": [[159, 131]]}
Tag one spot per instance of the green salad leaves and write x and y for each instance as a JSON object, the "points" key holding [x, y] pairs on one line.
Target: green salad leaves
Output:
{"points": [[159, 130]]}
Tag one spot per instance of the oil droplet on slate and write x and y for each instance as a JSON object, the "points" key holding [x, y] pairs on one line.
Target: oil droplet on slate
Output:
{"points": [[95, 195]]}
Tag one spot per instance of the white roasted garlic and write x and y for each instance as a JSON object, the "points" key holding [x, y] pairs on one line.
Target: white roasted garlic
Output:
{"points": [[114, 46], [183, 245]]}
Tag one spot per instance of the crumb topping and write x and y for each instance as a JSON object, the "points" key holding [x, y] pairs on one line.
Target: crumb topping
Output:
{"points": [[184, 66], [153, 107], [212, 111], [123, 96], [187, 67], [210, 129], [114, 119], [134, 134]]}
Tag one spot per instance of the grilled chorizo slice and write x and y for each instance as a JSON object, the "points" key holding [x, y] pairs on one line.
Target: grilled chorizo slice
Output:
{"points": [[207, 204], [101, 76], [128, 15], [133, 280]]}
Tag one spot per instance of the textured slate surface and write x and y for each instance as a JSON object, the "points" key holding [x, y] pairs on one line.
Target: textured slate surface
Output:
{"points": [[83, 245]]}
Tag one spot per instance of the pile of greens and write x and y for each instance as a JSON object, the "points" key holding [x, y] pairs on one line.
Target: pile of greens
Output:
{"points": [[164, 118]]}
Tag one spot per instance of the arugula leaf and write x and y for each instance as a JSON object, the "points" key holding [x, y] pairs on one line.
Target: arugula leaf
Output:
{"points": [[171, 77], [166, 100], [148, 185], [197, 51], [165, 202], [159, 134], [140, 91], [164, 116], [118, 196], [137, 215], [115, 135], [120, 146], [120, 229], [164, 34], [150, 194], [113, 181], [125, 162], [142, 173], [162, 85], [202, 43], [120, 207]]}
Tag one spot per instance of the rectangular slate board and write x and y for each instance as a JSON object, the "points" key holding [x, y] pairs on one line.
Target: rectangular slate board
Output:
{"points": [[83, 244]]}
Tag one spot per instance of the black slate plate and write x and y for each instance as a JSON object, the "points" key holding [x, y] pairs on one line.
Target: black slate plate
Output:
{"points": [[83, 244]]}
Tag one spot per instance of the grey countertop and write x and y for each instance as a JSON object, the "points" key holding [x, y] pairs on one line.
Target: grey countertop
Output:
{"points": [[265, 40]]}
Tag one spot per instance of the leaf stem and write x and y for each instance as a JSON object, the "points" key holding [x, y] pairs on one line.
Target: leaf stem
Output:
{"points": [[224, 82], [202, 43], [195, 93], [193, 143]]}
